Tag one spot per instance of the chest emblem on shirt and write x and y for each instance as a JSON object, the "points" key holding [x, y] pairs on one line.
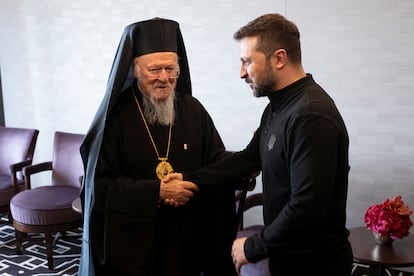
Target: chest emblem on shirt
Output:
{"points": [[271, 143]]}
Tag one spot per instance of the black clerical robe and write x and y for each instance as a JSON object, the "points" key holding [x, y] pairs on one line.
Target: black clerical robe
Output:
{"points": [[132, 233]]}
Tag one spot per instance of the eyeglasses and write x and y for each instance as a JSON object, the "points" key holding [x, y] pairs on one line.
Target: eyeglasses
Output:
{"points": [[156, 73]]}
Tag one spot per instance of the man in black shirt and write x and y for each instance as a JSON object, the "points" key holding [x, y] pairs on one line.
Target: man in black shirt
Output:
{"points": [[301, 148]]}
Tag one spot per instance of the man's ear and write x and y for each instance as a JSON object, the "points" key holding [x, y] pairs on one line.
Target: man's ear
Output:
{"points": [[279, 58]]}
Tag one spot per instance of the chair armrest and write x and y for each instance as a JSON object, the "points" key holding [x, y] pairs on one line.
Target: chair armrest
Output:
{"points": [[253, 200], [19, 166], [245, 203], [16, 167], [33, 169]]}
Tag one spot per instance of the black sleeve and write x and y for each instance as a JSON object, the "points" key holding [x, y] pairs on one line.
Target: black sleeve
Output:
{"points": [[234, 166]]}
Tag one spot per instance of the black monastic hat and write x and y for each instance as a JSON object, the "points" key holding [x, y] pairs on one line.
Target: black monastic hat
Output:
{"points": [[155, 35]]}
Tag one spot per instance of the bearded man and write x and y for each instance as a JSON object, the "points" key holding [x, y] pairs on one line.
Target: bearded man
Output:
{"points": [[148, 126], [301, 148]]}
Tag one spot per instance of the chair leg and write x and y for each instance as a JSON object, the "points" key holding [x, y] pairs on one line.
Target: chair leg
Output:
{"points": [[19, 238], [49, 249]]}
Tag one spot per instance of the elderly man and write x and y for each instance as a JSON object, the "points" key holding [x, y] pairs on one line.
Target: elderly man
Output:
{"points": [[148, 126]]}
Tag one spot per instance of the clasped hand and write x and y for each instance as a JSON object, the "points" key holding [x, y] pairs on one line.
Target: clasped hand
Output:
{"points": [[176, 192]]}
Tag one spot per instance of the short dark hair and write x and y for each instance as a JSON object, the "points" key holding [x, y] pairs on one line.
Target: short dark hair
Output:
{"points": [[273, 32]]}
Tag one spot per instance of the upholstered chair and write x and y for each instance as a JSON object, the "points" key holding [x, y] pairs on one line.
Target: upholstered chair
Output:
{"points": [[47, 208], [260, 268], [246, 185], [17, 147]]}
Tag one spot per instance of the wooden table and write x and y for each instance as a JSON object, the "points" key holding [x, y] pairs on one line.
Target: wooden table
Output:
{"points": [[380, 257]]}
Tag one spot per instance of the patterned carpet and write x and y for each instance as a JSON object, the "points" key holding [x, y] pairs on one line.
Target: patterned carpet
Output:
{"points": [[33, 261]]}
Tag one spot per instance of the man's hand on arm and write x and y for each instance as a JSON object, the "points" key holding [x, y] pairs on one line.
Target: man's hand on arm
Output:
{"points": [[176, 192]]}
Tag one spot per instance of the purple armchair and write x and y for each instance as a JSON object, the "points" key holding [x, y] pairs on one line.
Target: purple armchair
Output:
{"points": [[47, 208], [260, 268], [17, 146]]}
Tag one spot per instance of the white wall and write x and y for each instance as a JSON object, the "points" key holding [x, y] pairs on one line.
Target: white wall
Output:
{"points": [[56, 55]]}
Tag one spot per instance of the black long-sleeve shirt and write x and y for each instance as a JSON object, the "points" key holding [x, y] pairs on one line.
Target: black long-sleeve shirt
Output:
{"points": [[301, 147]]}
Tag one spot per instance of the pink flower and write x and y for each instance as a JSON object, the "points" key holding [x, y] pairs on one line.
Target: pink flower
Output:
{"points": [[390, 218]]}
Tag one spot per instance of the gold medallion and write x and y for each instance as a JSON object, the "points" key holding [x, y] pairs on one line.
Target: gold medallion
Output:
{"points": [[163, 169]]}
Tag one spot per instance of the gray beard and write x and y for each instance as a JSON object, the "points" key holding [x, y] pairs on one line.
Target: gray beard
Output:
{"points": [[159, 112]]}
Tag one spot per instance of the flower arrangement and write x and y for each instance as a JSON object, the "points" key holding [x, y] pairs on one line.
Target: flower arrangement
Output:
{"points": [[390, 218]]}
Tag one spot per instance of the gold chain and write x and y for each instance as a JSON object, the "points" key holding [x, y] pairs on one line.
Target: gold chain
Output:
{"points": [[149, 133]]}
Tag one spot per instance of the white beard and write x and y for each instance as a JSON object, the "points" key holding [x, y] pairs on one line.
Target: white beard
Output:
{"points": [[159, 112]]}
